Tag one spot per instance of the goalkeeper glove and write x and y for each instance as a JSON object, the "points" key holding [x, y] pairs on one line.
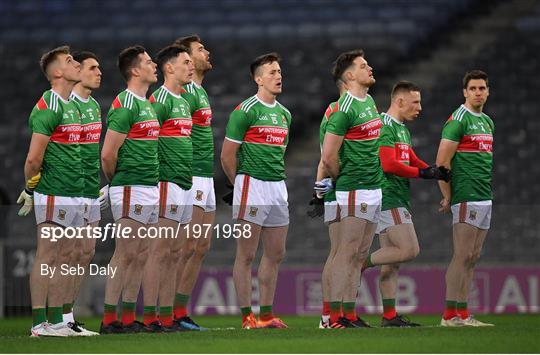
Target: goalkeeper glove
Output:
{"points": [[323, 186], [228, 197], [318, 207], [27, 199], [435, 172], [103, 198]]}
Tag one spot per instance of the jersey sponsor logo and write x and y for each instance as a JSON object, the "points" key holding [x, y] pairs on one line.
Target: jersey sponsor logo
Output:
{"points": [[270, 135], [176, 127], [365, 131], [90, 133], [202, 117], [476, 143], [67, 134], [402, 152], [147, 130]]}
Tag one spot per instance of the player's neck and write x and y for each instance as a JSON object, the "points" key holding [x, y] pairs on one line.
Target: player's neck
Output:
{"points": [[395, 114], [266, 97], [173, 86], [81, 91], [358, 91], [63, 88], [198, 77], [470, 107], [138, 88]]}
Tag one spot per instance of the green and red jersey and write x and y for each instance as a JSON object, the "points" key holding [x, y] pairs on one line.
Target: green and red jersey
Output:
{"points": [[90, 113], [175, 150], [201, 134], [472, 164], [357, 120], [138, 156], [332, 107], [263, 132], [62, 172]]}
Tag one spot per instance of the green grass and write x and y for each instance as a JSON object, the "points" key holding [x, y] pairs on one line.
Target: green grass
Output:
{"points": [[512, 334]]}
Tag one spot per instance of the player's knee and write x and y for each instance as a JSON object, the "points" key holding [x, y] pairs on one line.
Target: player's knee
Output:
{"points": [[202, 249], [475, 256], [163, 255], [187, 251], [277, 256], [246, 258], [411, 252], [87, 255]]}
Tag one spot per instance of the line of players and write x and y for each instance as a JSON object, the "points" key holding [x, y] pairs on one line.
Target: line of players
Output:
{"points": [[362, 189]]}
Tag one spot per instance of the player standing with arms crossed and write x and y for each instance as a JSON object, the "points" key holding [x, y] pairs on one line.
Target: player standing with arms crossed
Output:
{"points": [[257, 134], [467, 148], [130, 162], [350, 156], [397, 236]]}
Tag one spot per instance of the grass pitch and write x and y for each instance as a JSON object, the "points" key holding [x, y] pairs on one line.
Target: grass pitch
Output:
{"points": [[512, 334]]}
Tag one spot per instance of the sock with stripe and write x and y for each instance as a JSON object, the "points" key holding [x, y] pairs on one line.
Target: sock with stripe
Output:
{"points": [[180, 305], [389, 308], [39, 315], [326, 308], [54, 315], [450, 309], [128, 313], [367, 263], [246, 311], [335, 311], [266, 313], [462, 310], [349, 310], [109, 314], [166, 316], [149, 314]]}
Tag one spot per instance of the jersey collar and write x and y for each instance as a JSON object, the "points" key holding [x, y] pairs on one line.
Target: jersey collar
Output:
{"points": [[59, 97], [472, 113], [80, 98], [265, 104], [137, 96], [170, 92], [394, 119], [356, 97]]}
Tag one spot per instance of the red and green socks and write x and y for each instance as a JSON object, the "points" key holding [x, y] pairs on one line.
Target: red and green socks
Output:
{"points": [[389, 308], [149, 315], [128, 313], [335, 311], [109, 314], [180, 305], [246, 311], [349, 311], [462, 310], [326, 308], [266, 313], [450, 310], [39, 315], [166, 316]]}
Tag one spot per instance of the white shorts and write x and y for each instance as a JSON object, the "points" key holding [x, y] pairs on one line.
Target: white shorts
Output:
{"points": [[260, 202], [364, 204], [203, 193], [139, 203], [331, 212], [62, 210], [92, 210], [393, 217], [174, 202], [476, 213]]}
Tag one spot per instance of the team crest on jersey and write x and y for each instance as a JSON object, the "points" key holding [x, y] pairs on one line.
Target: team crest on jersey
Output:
{"points": [[253, 211], [174, 209], [363, 207], [284, 120], [407, 214], [199, 195], [61, 214], [138, 209], [472, 215]]}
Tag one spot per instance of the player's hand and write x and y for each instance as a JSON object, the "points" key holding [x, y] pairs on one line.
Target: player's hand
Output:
{"points": [[33, 181], [444, 173], [103, 198], [228, 197], [323, 186], [27, 199], [318, 207], [445, 205]]}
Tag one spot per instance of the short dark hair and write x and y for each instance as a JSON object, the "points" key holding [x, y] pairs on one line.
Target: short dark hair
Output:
{"points": [[168, 53], [474, 74], [50, 56], [128, 58], [186, 41], [404, 86], [344, 62], [262, 60], [81, 56]]}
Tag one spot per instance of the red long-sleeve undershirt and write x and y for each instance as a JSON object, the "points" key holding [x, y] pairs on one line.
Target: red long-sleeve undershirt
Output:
{"points": [[391, 165]]}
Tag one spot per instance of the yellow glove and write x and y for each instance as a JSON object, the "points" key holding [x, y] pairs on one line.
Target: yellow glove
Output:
{"points": [[27, 198], [33, 181]]}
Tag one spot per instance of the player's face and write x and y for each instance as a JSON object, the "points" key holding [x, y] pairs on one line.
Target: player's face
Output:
{"points": [[476, 93], [200, 57], [362, 72], [410, 105], [147, 69], [270, 77], [71, 69], [184, 68], [90, 74]]}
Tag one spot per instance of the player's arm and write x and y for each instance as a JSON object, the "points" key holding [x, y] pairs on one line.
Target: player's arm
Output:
{"points": [[447, 150], [391, 165], [330, 158], [416, 161], [228, 158], [109, 153], [36, 152], [237, 126]]}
